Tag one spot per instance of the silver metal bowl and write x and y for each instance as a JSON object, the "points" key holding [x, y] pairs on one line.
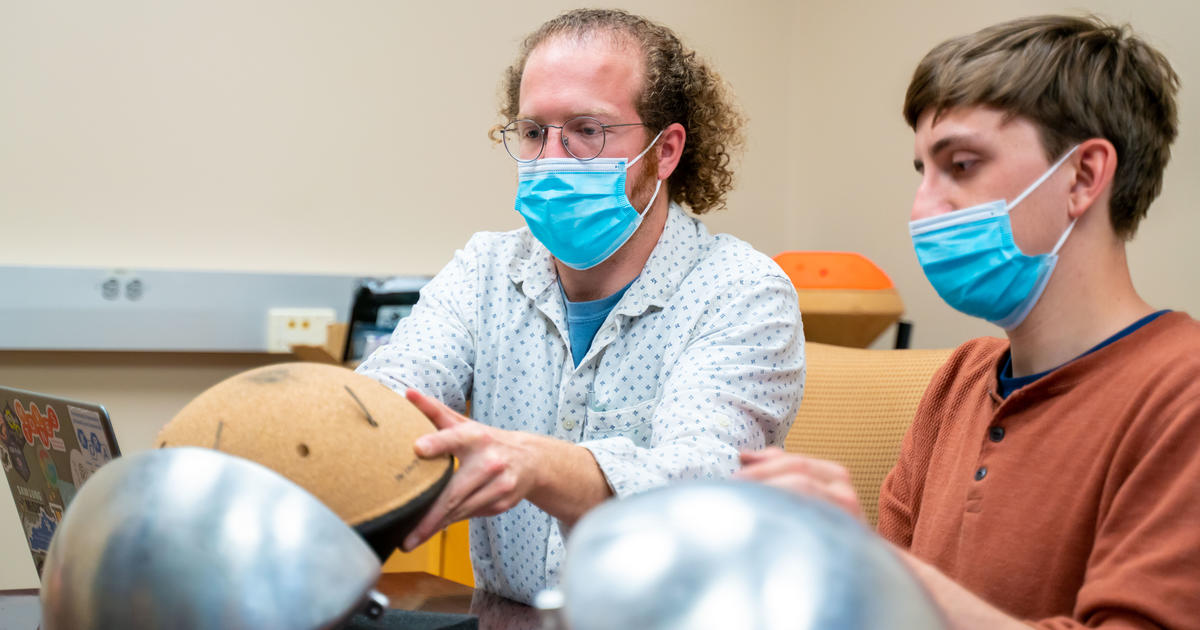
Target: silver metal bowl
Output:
{"points": [[735, 554], [195, 539]]}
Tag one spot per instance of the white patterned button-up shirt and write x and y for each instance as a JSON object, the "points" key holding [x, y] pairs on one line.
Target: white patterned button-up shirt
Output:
{"points": [[702, 356]]}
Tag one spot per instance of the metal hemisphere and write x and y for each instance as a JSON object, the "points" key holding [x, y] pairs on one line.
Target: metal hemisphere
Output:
{"points": [[734, 554], [195, 539]]}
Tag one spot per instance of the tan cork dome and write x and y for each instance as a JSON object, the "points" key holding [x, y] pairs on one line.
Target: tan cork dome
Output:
{"points": [[342, 436]]}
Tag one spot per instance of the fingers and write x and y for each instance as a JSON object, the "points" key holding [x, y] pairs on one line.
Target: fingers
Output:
{"points": [[432, 522], [498, 494], [781, 463], [771, 452], [839, 494], [439, 414], [467, 491], [446, 420], [818, 478], [456, 440]]}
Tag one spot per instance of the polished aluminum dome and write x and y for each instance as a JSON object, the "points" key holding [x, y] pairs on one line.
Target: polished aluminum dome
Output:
{"points": [[195, 539], [735, 554]]}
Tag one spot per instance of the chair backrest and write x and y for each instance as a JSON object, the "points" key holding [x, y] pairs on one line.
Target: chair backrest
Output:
{"points": [[857, 406]]}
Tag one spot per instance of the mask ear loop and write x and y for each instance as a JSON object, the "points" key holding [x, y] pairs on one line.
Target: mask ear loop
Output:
{"points": [[657, 182], [1041, 180], [657, 185], [1063, 239], [644, 151]]}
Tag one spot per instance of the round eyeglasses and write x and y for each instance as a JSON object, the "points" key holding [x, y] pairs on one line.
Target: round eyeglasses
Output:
{"points": [[583, 137]]}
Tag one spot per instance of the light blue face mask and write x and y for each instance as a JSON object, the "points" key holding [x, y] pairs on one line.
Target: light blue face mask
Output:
{"points": [[578, 209], [972, 261]]}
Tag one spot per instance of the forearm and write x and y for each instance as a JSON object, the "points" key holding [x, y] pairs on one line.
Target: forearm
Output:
{"points": [[963, 609], [569, 482]]}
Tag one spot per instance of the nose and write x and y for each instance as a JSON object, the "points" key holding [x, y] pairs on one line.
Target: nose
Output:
{"points": [[554, 144], [930, 200]]}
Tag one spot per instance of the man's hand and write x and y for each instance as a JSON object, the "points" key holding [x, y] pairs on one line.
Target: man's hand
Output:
{"points": [[803, 475], [497, 468]]}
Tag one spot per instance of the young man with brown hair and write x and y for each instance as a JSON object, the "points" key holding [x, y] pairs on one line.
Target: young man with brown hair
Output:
{"points": [[1051, 479]]}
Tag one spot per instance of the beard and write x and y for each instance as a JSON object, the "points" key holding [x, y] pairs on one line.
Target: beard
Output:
{"points": [[642, 188]]}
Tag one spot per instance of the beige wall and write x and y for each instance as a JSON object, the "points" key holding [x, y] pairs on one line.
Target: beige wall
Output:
{"points": [[349, 137]]}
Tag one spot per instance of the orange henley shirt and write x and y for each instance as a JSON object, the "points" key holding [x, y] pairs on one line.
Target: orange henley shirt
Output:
{"points": [[1075, 502]]}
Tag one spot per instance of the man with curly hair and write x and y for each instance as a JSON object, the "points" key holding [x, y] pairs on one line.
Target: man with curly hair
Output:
{"points": [[613, 345]]}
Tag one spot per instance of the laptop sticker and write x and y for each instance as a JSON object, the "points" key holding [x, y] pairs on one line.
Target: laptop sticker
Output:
{"points": [[90, 433], [93, 451], [14, 443], [42, 426], [50, 474], [40, 533]]}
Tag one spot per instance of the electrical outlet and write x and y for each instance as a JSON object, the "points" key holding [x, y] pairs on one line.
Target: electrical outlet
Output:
{"points": [[287, 327]]}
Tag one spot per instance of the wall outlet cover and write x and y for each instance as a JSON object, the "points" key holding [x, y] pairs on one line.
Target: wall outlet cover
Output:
{"points": [[287, 327]]}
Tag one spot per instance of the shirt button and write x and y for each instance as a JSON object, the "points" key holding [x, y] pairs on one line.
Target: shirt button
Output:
{"points": [[996, 434], [568, 424], [981, 473]]}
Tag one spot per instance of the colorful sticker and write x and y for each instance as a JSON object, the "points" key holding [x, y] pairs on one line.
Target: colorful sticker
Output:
{"points": [[50, 474], [43, 426], [30, 506], [90, 433], [31, 494], [41, 532], [13, 443], [82, 466]]}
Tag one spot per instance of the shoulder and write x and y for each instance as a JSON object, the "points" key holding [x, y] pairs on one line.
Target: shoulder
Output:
{"points": [[972, 360], [968, 372], [1172, 335], [737, 262], [1163, 356], [495, 256], [500, 246]]}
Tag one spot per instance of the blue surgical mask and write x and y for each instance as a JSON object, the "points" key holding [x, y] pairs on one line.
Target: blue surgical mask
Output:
{"points": [[578, 209], [972, 261]]}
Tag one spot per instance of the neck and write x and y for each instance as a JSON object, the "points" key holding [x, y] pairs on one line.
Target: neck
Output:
{"points": [[1089, 298], [610, 276]]}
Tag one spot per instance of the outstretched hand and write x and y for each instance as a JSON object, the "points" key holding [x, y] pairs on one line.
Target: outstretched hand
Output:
{"points": [[497, 468], [803, 475]]}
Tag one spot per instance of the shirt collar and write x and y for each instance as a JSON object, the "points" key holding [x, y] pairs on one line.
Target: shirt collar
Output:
{"points": [[678, 250]]}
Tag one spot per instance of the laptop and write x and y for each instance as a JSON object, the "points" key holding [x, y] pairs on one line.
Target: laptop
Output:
{"points": [[49, 446]]}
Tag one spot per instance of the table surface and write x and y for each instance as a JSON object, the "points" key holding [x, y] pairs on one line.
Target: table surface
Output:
{"points": [[19, 609]]}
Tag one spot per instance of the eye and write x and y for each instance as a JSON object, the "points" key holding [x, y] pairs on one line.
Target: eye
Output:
{"points": [[527, 130], [963, 162], [589, 129], [584, 128]]}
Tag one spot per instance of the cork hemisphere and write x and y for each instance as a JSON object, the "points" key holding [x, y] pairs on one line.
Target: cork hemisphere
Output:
{"points": [[340, 435]]}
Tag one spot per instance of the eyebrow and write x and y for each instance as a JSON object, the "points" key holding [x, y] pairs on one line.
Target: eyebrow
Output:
{"points": [[947, 141], [596, 113], [944, 143]]}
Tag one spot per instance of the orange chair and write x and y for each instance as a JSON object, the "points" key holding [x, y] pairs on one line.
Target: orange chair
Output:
{"points": [[845, 299]]}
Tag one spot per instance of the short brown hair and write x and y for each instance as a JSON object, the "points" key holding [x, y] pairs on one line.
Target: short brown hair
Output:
{"points": [[679, 88], [1075, 78]]}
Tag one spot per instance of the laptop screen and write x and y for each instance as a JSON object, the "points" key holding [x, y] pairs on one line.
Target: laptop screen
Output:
{"points": [[50, 446]]}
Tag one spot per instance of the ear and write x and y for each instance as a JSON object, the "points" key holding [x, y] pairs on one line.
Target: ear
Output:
{"points": [[1095, 163], [670, 149]]}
